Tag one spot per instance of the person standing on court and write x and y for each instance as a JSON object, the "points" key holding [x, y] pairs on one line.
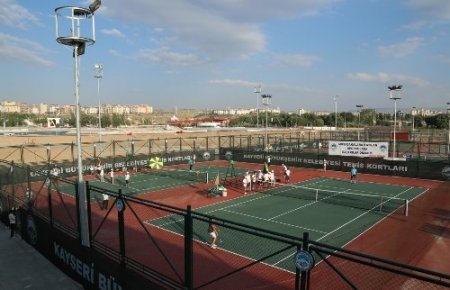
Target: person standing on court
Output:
{"points": [[191, 164], [287, 175], [353, 173], [12, 221], [213, 231], [111, 175], [127, 179], [105, 200], [325, 165]]}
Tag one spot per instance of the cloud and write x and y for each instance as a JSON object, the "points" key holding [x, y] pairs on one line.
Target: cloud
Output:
{"points": [[14, 15], [21, 50], [217, 30], [272, 86], [112, 32], [434, 10], [295, 60], [234, 83], [388, 78], [401, 49], [166, 56]]}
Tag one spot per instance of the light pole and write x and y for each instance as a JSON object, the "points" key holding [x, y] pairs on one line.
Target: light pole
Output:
{"points": [[413, 113], [359, 108], [4, 126], [335, 111], [448, 138], [266, 102], [257, 91], [394, 94], [98, 74], [75, 19]]}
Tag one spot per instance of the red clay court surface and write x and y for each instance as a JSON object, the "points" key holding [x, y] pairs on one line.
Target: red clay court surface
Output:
{"points": [[421, 239]]}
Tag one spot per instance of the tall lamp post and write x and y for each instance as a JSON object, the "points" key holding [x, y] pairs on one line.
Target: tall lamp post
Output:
{"points": [[359, 108], [335, 111], [257, 91], [448, 138], [98, 74], [394, 94], [266, 102], [74, 20]]}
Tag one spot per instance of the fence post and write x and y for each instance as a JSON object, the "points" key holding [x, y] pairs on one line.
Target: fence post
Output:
{"points": [[120, 204], [88, 198], [305, 247], [188, 249]]}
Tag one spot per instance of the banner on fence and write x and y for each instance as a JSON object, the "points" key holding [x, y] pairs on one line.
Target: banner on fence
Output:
{"points": [[359, 149]]}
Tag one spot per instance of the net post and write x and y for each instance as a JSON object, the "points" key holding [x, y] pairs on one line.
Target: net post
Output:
{"points": [[317, 194], [406, 207], [207, 177]]}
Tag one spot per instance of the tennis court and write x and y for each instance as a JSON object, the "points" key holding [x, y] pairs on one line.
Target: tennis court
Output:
{"points": [[333, 211], [146, 180]]}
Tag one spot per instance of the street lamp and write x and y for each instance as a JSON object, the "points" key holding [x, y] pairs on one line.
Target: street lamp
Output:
{"points": [[257, 91], [394, 94], [98, 74], [359, 108], [335, 111], [448, 139], [74, 21], [266, 102]]}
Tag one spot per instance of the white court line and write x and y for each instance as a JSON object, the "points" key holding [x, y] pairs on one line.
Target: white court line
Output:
{"points": [[347, 223], [225, 250], [275, 222], [364, 213], [306, 205]]}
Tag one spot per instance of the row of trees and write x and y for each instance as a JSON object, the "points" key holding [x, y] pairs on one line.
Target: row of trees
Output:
{"points": [[366, 118], [86, 120]]}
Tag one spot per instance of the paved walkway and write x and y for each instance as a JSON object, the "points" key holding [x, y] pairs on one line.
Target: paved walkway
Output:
{"points": [[23, 267]]}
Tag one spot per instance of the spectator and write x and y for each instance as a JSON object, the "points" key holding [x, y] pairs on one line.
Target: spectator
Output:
{"points": [[12, 221]]}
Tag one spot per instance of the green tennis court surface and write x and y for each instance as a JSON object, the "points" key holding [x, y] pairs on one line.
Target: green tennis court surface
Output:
{"points": [[155, 180], [332, 211]]}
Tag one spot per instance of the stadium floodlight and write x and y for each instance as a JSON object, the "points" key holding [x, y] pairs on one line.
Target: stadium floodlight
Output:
{"points": [[98, 74], [394, 94], [95, 5], [266, 99], [75, 26]]}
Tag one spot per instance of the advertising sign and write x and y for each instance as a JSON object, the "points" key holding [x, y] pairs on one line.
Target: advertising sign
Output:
{"points": [[359, 149]]}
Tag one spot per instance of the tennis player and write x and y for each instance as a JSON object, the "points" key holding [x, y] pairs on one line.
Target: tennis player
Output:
{"points": [[245, 184], [353, 173], [213, 231], [127, 179]]}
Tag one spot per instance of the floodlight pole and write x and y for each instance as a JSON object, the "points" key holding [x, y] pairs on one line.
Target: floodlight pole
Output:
{"points": [[98, 74], [359, 108], [335, 112], [266, 102], [448, 138], [257, 91], [394, 94], [74, 17]]}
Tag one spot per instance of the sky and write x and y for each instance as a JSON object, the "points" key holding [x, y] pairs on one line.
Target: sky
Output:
{"points": [[211, 54]]}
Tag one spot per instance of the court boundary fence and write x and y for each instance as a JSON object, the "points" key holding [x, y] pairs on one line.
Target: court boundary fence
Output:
{"points": [[48, 220]]}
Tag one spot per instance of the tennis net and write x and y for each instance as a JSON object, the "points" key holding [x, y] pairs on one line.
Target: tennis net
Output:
{"points": [[188, 175], [372, 202]]}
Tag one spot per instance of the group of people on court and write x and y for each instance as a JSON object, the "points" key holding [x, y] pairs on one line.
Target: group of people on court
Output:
{"points": [[258, 179]]}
